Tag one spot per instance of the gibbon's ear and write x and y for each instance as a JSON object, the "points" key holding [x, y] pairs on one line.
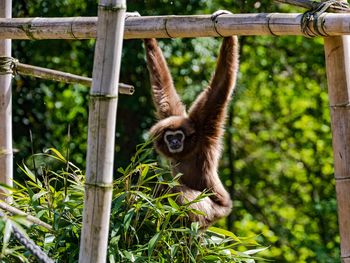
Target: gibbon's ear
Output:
{"points": [[165, 98]]}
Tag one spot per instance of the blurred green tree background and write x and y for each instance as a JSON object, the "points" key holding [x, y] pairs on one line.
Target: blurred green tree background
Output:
{"points": [[277, 161]]}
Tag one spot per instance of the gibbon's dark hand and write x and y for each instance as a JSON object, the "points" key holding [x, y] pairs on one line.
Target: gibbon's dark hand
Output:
{"points": [[219, 13], [132, 14]]}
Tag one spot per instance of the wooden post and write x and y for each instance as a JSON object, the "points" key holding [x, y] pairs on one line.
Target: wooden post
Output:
{"points": [[101, 131], [6, 156], [337, 52]]}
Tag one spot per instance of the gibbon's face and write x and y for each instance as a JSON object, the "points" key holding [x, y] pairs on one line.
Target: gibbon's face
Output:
{"points": [[174, 140], [174, 137]]}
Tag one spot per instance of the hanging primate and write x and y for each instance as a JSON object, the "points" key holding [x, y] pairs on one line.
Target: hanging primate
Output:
{"points": [[192, 141]]}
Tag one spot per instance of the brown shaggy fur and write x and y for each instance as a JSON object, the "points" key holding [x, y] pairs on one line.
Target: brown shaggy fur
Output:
{"points": [[202, 126]]}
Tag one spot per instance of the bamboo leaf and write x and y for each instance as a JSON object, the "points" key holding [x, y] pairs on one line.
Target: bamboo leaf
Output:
{"points": [[57, 153], [223, 232], [144, 171], [254, 251], [30, 174], [152, 243], [127, 219], [119, 201], [7, 233], [211, 258], [172, 203]]}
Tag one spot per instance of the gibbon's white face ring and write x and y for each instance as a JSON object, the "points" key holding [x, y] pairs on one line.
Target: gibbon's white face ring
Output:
{"points": [[174, 133]]}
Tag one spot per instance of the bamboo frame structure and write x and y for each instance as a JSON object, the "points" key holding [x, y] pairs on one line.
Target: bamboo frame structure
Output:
{"points": [[101, 132], [337, 52], [6, 155], [44, 73], [277, 24], [110, 27]]}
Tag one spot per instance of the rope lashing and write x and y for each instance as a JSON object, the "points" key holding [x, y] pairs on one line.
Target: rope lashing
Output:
{"points": [[7, 65], [214, 19], [29, 244], [314, 16]]}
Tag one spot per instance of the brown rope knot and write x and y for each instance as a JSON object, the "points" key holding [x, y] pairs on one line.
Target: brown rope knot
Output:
{"points": [[315, 18], [8, 65]]}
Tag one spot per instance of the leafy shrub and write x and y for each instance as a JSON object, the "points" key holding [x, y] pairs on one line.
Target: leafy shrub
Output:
{"points": [[145, 226]]}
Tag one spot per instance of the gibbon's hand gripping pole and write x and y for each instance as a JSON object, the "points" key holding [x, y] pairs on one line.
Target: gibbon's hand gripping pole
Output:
{"points": [[101, 131], [337, 52]]}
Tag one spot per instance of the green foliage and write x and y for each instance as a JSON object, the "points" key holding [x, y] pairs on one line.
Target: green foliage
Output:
{"points": [[145, 226]]}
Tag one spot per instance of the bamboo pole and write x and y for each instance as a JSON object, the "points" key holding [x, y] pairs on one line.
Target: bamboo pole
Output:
{"points": [[337, 52], [6, 155], [101, 131], [173, 26], [15, 211], [44, 73]]}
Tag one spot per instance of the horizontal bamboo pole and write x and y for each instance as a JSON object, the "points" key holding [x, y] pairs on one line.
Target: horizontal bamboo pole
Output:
{"points": [[30, 218], [173, 26], [56, 75]]}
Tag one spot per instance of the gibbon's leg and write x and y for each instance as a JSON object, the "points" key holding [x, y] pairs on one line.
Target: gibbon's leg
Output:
{"points": [[165, 97], [207, 205]]}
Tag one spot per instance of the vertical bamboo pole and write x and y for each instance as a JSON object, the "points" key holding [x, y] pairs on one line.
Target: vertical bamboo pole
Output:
{"points": [[101, 131], [6, 155], [337, 51]]}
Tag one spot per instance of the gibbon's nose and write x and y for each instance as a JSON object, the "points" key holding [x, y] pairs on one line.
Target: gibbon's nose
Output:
{"points": [[175, 144]]}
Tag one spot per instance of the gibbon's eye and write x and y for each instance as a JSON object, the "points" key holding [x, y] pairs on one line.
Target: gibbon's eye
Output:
{"points": [[174, 140]]}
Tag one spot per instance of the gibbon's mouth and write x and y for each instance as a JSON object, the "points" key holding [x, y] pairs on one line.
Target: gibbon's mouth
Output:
{"points": [[176, 150]]}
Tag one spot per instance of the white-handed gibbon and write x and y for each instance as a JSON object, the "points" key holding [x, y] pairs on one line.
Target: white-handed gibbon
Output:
{"points": [[192, 141]]}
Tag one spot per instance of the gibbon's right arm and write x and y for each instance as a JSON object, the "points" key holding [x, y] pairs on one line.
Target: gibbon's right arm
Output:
{"points": [[209, 109], [165, 97]]}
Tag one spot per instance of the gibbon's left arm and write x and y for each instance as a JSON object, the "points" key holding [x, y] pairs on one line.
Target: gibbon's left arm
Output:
{"points": [[209, 109], [165, 97]]}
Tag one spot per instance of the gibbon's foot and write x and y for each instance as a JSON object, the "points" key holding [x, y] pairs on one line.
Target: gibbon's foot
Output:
{"points": [[219, 13], [132, 14]]}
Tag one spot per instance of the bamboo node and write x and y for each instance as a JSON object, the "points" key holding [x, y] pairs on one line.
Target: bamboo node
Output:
{"points": [[8, 65], [71, 28], [99, 96], [4, 152], [269, 16], [342, 178], [99, 185], [340, 105], [166, 29]]}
